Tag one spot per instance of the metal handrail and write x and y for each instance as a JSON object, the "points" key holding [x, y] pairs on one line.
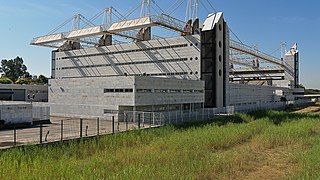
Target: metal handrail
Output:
{"points": [[247, 49]]}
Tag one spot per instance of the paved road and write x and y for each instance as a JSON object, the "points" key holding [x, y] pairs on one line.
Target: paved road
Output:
{"points": [[55, 131], [63, 128]]}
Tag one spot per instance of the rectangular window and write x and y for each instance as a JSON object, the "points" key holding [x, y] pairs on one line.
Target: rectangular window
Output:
{"points": [[174, 90], [187, 91], [198, 91], [109, 111], [128, 90], [108, 90], [161, 90], [144, 90]]}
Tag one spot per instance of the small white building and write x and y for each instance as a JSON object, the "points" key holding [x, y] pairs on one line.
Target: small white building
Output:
{"points": [[15, 112], [18, 92]]}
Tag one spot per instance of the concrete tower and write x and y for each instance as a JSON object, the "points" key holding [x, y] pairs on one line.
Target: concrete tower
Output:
{"points": [[215, 60]]}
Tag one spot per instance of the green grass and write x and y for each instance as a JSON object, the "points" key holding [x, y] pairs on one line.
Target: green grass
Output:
{"points": [[234, 147]]}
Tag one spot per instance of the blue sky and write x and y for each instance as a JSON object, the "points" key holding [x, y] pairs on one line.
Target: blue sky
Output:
{"points": [[265, 23]]}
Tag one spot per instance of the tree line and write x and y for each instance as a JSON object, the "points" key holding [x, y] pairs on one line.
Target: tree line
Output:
{"points": [[14, 71]]}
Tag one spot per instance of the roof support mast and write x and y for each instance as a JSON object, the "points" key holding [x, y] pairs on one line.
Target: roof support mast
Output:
{"points": [[107, 17], [145, 8], [196, 4], [192, 11], [145, 32], [76, 22], [191, 19]]}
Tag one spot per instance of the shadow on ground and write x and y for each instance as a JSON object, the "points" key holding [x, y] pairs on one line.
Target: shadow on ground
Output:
{"points": [[9, 144]]}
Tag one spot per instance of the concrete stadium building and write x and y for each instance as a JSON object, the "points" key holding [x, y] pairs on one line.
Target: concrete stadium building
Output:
{"points": [[197, 69]]}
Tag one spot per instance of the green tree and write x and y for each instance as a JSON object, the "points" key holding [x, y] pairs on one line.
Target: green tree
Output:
{"points": [[42, 79], [5, 80], [300, 86], [23, 81], [14, 68]]}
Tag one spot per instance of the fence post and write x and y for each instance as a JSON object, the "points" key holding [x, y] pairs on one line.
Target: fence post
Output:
{"points": [[165, 121], [176, 117], [61, 130], [98, 126], [162, 121], [126, 120], [14, 135], [81, 121], [143, 119], [202, 113], [151, 117], [118, 125], [139, 120], [196, 115], [40, 132], [182, 114], [112, 124]]}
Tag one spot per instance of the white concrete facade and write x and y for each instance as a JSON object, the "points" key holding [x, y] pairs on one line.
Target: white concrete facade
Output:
{"points": [[246, 94], [177, 57], [95, 97], [15, 112]]}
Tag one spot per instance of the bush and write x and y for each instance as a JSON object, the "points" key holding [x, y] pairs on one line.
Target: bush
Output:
{"points": [[5, 80], [23, 81]]}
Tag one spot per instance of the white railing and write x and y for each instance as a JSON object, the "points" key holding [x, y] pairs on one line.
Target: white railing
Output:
{"points": [[247, 49], [168, 21]]}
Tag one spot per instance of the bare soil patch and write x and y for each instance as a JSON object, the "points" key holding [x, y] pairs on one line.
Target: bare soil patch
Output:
{"points": [[314, 108], [274, 164]]}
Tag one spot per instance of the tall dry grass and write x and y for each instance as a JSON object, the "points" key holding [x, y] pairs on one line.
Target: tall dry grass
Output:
{"points": [[222, 148]]}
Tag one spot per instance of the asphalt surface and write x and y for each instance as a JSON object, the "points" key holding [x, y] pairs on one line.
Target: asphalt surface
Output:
{"points": [[56, 131]]}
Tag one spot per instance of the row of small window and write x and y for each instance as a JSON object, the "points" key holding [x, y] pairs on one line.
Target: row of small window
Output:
{"points": [[168, 91], [37, 91], [152, 91], [118, 90], [127, 63], [126, 74], [23, 108], [253, 103], [163, 74], [126, 51]]}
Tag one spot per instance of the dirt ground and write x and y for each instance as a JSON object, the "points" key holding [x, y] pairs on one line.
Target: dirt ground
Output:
{"points": [[314, 108], [274, 164]]}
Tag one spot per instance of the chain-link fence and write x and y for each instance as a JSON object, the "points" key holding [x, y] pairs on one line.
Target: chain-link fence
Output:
{"points": [[60, 129], [154, 119]]}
